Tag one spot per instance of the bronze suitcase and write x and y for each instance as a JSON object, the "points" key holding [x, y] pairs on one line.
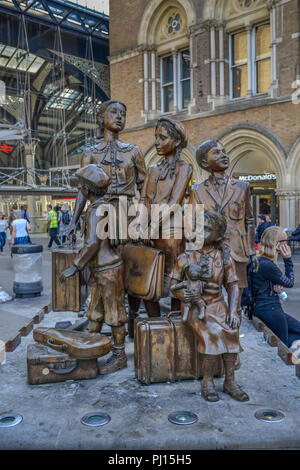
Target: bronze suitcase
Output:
{"points": [[46, 366], [71, 294], [79, 344], [165, 350]]}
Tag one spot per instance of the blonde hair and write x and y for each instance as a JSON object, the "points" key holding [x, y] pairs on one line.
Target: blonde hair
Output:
{"points": [[269, 240]]}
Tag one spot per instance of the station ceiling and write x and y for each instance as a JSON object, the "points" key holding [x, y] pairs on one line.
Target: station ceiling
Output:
{"points": [[54, 66]]}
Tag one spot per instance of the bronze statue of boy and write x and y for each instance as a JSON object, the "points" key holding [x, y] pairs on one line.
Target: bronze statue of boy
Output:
{"points": [[125, 168], [231, 198]]}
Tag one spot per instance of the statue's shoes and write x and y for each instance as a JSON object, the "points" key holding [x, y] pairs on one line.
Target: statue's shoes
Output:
{"points": [[209, 392], [236, 392], [116, 361]]}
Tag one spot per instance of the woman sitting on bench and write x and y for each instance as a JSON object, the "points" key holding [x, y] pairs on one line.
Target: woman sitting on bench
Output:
{"points": [[269, 282]]}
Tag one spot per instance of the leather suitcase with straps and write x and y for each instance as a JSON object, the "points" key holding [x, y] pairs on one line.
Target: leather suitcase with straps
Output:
{"points": [[165, 350], [44, 365]]}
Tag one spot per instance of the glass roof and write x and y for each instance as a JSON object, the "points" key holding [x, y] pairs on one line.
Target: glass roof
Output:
{"points": [[65, 99], [18, 59], [89, 105], [63, 13]]}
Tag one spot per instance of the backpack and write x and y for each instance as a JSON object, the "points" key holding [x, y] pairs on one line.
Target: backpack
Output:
{"points": [[248, 295], [66, 219]]}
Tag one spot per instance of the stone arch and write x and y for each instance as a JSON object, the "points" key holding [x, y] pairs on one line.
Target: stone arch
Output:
{"points": [[156, 9], [212, 8], [188, 155], [222, 9], [240, 140], [293, 163]]}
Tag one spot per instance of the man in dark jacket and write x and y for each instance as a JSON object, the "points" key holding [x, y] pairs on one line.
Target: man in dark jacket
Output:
{"points": [[262, 225], [269, 221]]}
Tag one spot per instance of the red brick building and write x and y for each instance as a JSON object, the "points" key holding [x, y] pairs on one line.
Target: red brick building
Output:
{"points": [[227, 69]]}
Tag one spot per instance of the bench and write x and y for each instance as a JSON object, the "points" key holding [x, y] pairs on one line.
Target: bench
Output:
{"points": [[282, 350]]}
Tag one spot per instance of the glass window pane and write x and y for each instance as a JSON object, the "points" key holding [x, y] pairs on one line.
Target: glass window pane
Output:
{"points": [[240, 50], [186, 93], [36, 65], [13, 62], [8, 51], [168, 69], [240, 81], [168, 93], [263, 40], [185, 64], [3, 61], [263, 75]]}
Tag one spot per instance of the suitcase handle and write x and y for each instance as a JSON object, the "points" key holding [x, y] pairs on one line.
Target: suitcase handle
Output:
{"points": [[58, 347], [176, 312], [64, 371]]}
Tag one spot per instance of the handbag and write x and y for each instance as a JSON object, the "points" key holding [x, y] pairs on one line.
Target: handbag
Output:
{"points": [[143, 271]]}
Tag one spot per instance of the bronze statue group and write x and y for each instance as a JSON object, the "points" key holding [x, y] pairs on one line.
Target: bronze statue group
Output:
{"points": [[194, 279]]}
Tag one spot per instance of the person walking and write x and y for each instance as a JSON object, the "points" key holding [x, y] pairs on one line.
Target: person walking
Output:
{"points": [[20, 229], [261, 227], [52, 226], [25, 213], [66, 217], [58, 211], [3, 227]]}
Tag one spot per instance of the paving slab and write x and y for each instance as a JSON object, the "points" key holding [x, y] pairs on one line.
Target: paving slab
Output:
{"points": [[10, 323], [51, 413]]}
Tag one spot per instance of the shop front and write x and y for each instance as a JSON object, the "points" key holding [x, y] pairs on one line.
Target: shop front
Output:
{"points": [[263, 192]]}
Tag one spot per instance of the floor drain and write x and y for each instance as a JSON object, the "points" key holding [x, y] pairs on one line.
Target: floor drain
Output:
{"points": [[271, 416], [182, 417], [7, 421], [95, 419]]}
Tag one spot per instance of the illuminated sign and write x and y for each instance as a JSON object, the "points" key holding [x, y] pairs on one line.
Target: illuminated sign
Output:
{"points": [[8, 149], [258, 177]]}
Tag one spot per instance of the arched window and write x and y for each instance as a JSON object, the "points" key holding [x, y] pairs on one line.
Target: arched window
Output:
{"points": [[167, 70], [246, 31], [250, 56], [175, 81]]}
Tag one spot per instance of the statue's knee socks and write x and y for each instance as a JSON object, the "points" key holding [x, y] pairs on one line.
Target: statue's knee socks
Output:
{"points": [[95, 326], [208, 366], [229, 364], [118, 333]]}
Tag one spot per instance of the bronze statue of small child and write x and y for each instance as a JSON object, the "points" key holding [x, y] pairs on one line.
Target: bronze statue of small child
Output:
{"points": [[192, 282], [217, 333]]}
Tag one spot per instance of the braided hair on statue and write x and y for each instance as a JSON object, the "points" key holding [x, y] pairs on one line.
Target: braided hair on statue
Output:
{"points": [[177, 132]]}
